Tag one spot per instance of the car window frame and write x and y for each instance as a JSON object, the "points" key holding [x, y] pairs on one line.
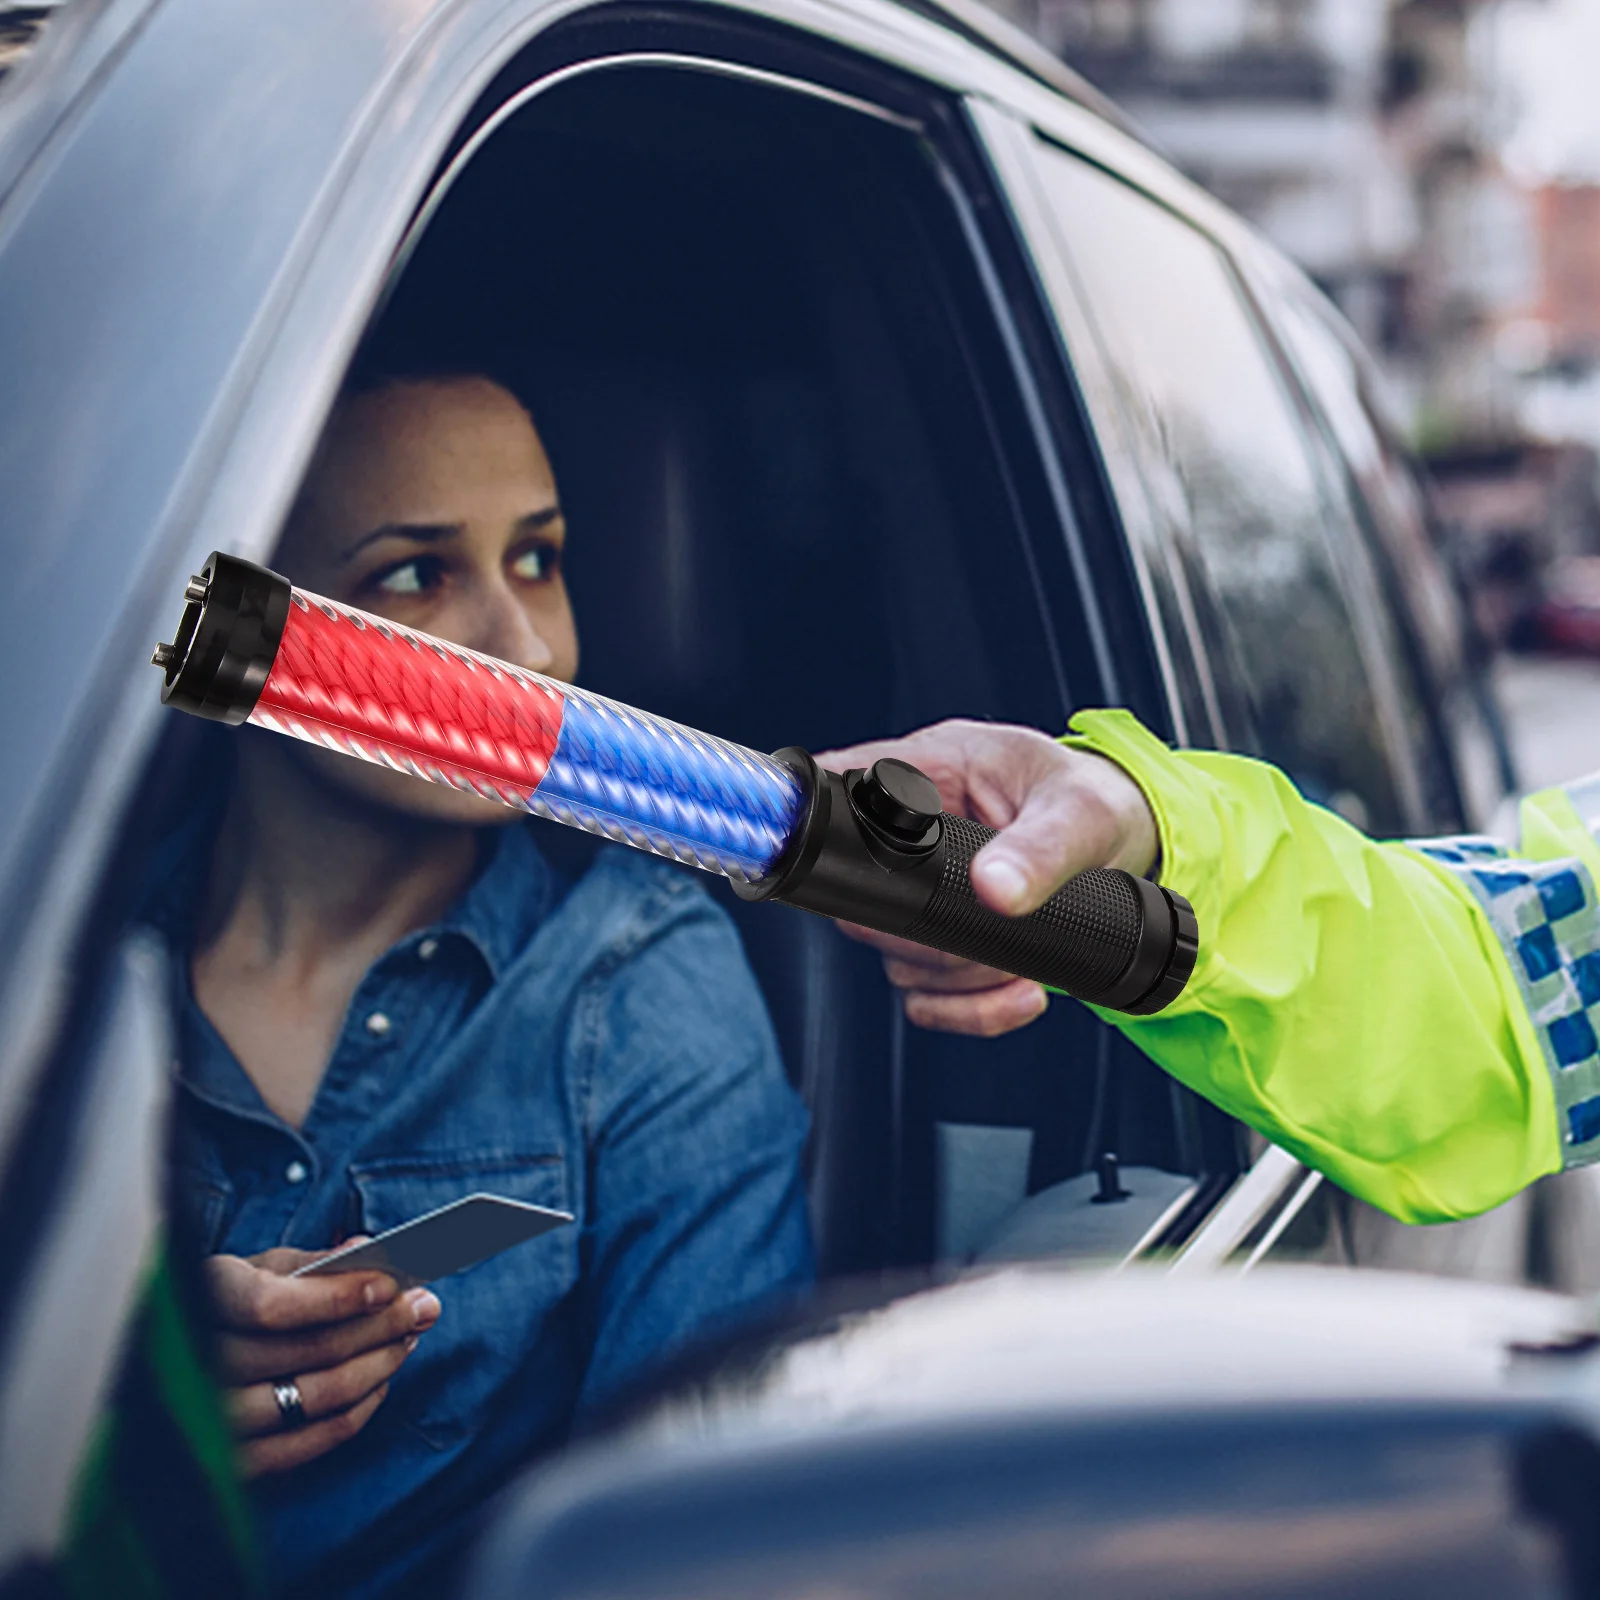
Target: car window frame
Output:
{"points": [[1193, 712], [1212, 1144]]}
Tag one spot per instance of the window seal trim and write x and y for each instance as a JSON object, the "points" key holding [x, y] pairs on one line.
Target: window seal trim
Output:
{"points": [[441, 186]]}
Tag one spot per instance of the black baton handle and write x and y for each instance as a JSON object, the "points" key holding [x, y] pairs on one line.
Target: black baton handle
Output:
{"points": [[876, 849]]}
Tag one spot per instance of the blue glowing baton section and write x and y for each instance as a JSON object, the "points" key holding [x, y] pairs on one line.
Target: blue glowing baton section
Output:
{"points": [[651, 783]]}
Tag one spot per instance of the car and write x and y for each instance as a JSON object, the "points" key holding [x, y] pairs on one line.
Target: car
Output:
{"points": [[1291, 1434], [889, 377]]}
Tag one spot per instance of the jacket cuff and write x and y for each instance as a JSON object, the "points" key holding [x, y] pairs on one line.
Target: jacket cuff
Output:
{"points": [[1180, 797]]}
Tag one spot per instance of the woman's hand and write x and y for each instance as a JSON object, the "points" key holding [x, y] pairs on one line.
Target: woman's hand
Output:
{"points": [[1059, 811], [339, 1339]]}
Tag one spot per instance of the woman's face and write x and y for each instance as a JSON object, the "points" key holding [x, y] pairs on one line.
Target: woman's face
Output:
{"points": [[431, 502]]}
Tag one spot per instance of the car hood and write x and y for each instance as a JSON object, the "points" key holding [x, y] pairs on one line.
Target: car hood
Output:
{"points": [[1034, 1339]]}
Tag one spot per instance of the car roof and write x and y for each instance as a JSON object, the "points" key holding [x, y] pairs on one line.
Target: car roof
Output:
{"points": [[990, 31]]}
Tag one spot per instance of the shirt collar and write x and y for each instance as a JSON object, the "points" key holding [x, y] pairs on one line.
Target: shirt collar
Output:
{"points": [[506, 901], [497, 914]]}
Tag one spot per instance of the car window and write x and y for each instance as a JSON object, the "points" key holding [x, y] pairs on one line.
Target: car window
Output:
{"points": [[799, 490], [1429, 648], [1238, 493], [1332, 369]]}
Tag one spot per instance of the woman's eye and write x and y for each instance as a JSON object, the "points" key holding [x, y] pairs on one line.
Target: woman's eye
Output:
{"points": [[536, 563], [416, 576]]}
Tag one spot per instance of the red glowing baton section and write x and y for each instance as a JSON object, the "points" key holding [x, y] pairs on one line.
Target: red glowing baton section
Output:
{"points": [[357, 684]]}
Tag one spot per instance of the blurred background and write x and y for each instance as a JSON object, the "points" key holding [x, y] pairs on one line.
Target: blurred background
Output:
{"points": [[1435, 166]]}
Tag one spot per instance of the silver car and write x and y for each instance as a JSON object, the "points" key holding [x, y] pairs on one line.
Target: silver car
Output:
{"points": [[889, 375]]}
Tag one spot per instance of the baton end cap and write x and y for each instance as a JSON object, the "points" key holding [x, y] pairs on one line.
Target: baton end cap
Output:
{"points": [[233, 620]]}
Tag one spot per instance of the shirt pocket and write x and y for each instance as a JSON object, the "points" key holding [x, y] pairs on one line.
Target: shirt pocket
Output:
{"points": [[493, 1313]]}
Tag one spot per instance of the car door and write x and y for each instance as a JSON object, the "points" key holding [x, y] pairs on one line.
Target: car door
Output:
{"points": [[163, 180]]}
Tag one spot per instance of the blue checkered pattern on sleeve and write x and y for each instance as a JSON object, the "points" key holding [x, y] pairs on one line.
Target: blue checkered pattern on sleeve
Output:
{"points": [[1546, 915]]}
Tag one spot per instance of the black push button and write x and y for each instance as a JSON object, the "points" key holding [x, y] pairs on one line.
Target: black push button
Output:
{"points": [[899, 799]]}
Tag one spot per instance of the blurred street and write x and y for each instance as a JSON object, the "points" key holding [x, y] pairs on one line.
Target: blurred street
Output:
{"points": [[1552, 708]]}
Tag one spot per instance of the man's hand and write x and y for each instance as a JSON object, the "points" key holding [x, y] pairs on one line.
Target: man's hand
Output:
{"points": [[339, 1339], [1059, 811]]}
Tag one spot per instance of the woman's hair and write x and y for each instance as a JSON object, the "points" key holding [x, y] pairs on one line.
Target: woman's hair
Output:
{"points": [[391, 355], [422, 335]]}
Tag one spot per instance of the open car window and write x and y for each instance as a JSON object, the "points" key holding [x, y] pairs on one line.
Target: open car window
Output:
{"points": [[803, 507]]}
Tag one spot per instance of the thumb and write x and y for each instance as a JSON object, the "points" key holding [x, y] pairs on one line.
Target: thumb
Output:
{"points": [[1058, 832]]}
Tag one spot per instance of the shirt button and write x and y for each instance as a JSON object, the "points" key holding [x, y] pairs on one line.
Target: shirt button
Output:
{"points": [[379, 1024], [295, 1172], [427, 950]]}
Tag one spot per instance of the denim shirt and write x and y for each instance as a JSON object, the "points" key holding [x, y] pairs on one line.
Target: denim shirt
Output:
{"points": [[602, 1048]]}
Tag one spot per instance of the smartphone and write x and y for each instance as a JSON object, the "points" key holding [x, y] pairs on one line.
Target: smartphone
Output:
{"points": [[451, 1239]]}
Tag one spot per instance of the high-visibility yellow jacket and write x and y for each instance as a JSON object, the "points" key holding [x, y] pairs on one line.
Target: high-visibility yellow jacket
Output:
{"points": [[1417, 1020]]}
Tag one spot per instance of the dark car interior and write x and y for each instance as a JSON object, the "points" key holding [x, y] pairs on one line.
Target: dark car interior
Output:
{"points": [[755, 340]]}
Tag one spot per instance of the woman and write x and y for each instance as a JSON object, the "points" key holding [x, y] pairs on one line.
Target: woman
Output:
{"points": [[394, 1000]]}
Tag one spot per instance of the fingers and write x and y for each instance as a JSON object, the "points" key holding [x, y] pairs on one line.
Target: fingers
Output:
{"points": [[984, 1014], [343, 1374], [961, 977], [1049, 843], [1065, 821], [250, 1358], [1059, 810], [278, 1452], [253, 1410], [257, 1297], [1074, 811], [949, 995]]}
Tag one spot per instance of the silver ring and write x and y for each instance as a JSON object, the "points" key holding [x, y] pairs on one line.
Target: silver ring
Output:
{"points": [[290, 1406]]}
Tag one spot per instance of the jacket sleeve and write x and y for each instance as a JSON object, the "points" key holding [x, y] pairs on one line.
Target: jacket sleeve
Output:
{"points": [[1414, 1020]]}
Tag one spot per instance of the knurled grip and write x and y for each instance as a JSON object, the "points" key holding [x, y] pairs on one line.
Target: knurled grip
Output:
{"points": [[1107, 937]]}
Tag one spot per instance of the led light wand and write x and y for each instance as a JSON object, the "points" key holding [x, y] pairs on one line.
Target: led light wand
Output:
{"points": [[872, 847]]}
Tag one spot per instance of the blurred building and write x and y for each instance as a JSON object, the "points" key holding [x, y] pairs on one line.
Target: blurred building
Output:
{"points": [[1566, 313], [1361, 136]]}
